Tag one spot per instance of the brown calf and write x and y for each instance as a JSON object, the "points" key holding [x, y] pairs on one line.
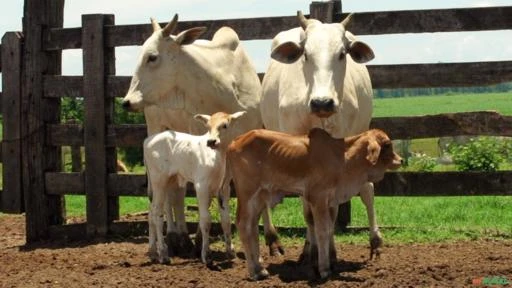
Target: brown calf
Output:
{"points": [[266, 165]]}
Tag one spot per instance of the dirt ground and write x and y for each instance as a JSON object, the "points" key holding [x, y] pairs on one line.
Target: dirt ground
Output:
{"points": [[124, 264]]}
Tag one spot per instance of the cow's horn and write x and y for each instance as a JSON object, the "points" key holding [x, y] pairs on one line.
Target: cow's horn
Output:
{"points": [[347, 20], [156, 26], [170, 26], [303, 21]]}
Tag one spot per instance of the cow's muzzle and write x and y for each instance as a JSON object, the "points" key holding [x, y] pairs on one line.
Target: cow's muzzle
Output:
{"points": [[212, 143], [322, 108]]}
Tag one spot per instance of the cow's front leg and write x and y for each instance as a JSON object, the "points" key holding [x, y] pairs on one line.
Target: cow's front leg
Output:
{"points": [[309, 252], [184, 243], [203, 201], [323, 235], [172, 235], [367, 194], [271, 238], [157, 251], [248, 214]]}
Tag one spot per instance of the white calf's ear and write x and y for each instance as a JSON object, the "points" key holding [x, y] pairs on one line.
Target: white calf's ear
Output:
{"points": [[202, 118], [238, 114], [373, 152]]}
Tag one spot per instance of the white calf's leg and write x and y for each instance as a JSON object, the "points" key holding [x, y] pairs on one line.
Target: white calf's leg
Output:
{"points": [[155, 219], [203, 201], [367, 193]]}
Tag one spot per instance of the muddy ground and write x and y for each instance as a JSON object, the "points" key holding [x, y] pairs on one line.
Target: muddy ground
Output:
{"points": [[123, 263]]}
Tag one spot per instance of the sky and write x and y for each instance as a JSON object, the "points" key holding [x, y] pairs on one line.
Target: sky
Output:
{"points": [[389, 49]]}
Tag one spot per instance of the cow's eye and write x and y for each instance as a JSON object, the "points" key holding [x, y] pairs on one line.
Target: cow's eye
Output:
{"points": [[224, 126], [342, 55], [152, 58]]}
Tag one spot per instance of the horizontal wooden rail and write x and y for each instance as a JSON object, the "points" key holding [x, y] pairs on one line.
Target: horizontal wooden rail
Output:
{"points": [[435, 20], [412, 127], [440, 74], [383, 76], [393, 184], [365, 23]]}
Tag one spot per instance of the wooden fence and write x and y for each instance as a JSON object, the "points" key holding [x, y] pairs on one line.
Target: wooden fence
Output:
{"points": [[33, 86]]}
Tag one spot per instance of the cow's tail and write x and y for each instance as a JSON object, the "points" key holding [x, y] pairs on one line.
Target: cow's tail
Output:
{"points": [[225, 189]]}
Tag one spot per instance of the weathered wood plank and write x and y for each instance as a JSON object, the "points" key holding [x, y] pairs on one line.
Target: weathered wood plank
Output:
{"points": [[440, 74], [436, 20], [111, 154], [365, 23], [37, 14], [445, 184], [411, 127], [452, 124], [383, 76], [393, 184], [51, 112], [95, 125], [60, 183], [12, 196], [58, 86]]}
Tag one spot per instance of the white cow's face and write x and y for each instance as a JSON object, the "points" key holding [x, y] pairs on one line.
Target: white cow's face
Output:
{"points": [[158, 66], [323, 50]]}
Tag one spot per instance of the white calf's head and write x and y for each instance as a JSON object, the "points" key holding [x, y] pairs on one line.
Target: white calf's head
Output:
{"points": [[158, 65], [323, 50], [220, 127]]}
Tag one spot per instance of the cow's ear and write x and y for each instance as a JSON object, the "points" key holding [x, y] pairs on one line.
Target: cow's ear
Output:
{"points": [[237, 115], [202, 118], [373, 152], [190, 35], [287, 52], [361, 52]]}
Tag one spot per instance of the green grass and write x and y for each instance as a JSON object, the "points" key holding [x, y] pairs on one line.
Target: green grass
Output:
{"points": [[419, 219], [427, 105]]}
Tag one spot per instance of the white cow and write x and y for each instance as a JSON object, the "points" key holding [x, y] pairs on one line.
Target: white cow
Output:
{"points": [[174, 158], [316, 79], [178, 76]]}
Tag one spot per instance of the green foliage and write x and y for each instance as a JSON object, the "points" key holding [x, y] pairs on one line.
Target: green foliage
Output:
{"points": [[72, 109], [421, 162], [480, 154]]}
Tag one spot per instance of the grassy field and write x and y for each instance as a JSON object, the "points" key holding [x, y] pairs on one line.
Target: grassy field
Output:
{"points": [[417, 219]]}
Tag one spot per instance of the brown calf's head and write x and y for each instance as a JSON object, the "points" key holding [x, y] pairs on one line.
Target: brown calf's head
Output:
{"points": [[219, 127], [380, 155]]}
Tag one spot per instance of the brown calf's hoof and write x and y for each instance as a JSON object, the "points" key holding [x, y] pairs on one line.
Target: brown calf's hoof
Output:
{"points": [[262, 274]]}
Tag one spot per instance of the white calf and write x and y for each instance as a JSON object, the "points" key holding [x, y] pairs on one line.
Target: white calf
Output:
{"points": [[173, 157]]}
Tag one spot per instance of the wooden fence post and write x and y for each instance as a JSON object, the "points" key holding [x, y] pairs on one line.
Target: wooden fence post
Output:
{"points": [[111, 158], [97, 108], [12, 195], [41, 210], [325, 12]]}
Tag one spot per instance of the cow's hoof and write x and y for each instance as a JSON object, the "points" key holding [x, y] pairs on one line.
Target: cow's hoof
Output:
{"points": [[230, 254], [375, 244], [276, 250], [325, 274], [262, 274], [173, 242], [153, 255], [164, 260]]}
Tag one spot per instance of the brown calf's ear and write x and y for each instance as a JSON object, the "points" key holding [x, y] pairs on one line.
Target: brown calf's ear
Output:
{"points": [[202, 118], [373, 152]]}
